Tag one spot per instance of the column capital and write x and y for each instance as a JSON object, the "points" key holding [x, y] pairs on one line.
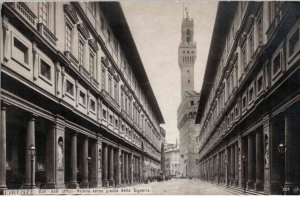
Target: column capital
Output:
{"points": [[74, 133], [32, 117], [4, 104]]}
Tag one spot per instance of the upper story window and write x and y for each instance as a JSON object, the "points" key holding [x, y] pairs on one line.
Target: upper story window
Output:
{"points": [[260, 29], [116, 91], [192, 103], [108, 35], [276, 64], [103, 73], [80, 51], [115, 46], [68, 37], [251, 43], [293, 43], [69, 88], [104, 114], [92, 105], [110, 85], [44, 13], [93, 69], [122, 99], [21, 51], [45, 70], [82, 98]]}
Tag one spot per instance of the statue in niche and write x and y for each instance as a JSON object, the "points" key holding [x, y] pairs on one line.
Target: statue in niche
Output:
{"points": [[266, 150], [60, 153]]}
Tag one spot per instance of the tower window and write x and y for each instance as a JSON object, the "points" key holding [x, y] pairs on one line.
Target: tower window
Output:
{"points": [[188, 35], [189, 81], [188, 71], [192, 103]]}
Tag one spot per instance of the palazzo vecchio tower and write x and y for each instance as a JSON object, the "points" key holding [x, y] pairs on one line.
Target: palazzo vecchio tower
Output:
{"points": [[187, 109]]}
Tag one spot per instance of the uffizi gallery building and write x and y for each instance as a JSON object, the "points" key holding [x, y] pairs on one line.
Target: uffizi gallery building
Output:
{"points": [[74, 89], [249, 105]]}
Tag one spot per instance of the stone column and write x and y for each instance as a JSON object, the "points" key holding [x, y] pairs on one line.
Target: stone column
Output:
{"points": [[30, 140], [251, 162], [232, 166], [291, 158], [100, 163], [73, 183], [84, 164], [119, 166], [3, 148], [51, 157], [131, 168], [94, 164], [123, 168], [105, 166], [236, 164], [259, 161], [111, 167], [227, 165], [126, 168]]}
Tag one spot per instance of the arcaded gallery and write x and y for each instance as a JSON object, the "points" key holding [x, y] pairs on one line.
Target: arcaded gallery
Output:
{"points": [[249, 104], [77, 108]]}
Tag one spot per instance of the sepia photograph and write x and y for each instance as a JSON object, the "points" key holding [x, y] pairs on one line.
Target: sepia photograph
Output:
{"points": [[150, 97]]}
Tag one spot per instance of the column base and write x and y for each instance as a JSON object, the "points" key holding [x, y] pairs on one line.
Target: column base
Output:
{"points": [[250, 184], [93, 184], [3, 187], [26, 186], [72, 185], [112, 183], [49, 186], [105, 183], [259, 185], [236, 182], [84, 184]]}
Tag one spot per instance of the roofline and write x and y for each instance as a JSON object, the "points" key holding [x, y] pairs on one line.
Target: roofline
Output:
{"points": [[221, 27], [119, 25]]}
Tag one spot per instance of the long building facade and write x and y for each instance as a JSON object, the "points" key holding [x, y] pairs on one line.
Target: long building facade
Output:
{"points": [[74, 88], [186, 112], [249, 104]]}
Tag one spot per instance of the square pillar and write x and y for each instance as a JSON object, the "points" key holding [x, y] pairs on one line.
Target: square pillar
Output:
{"points": [[95, 164], [55, 174], [3, 148], [119, 166], [105, 165]]}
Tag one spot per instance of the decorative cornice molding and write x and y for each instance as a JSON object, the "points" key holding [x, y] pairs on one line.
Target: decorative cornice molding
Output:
{"points": [[71, 13], [105, 61], [93, 44], [83, 30]]}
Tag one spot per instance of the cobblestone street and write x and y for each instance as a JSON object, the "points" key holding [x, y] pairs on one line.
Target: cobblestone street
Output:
{"points": [[184, 186]]}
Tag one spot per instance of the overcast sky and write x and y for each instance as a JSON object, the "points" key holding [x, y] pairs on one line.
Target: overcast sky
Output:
{"points": [[156, 29]]}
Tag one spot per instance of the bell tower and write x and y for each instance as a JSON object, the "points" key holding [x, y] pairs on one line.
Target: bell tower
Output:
{"points": [[187, 55]]}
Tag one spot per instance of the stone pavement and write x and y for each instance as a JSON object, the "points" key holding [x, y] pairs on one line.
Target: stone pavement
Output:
{"points": [[183, 187]]}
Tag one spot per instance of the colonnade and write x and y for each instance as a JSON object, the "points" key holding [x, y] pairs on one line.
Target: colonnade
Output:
{"points": [[72, 159], [247, 160]]}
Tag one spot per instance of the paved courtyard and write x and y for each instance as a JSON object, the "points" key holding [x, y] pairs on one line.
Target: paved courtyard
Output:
{"points": [[184, 186]]}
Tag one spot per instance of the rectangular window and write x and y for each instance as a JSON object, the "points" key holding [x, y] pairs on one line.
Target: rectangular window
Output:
{"points": [[244, 102], [122, 99], [93, 105], [45, 70], [294, 43], [80, 51], [69, 88], [109, 85], [259, 84], [21, 52], [103, 78], [244, 57], [116, 123], [82, 98], [93, 65], [110, 119], [115, 45], [116, 89], [44, 13], [251, 94], [276, 64], [68, 37], [104, 114]]}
